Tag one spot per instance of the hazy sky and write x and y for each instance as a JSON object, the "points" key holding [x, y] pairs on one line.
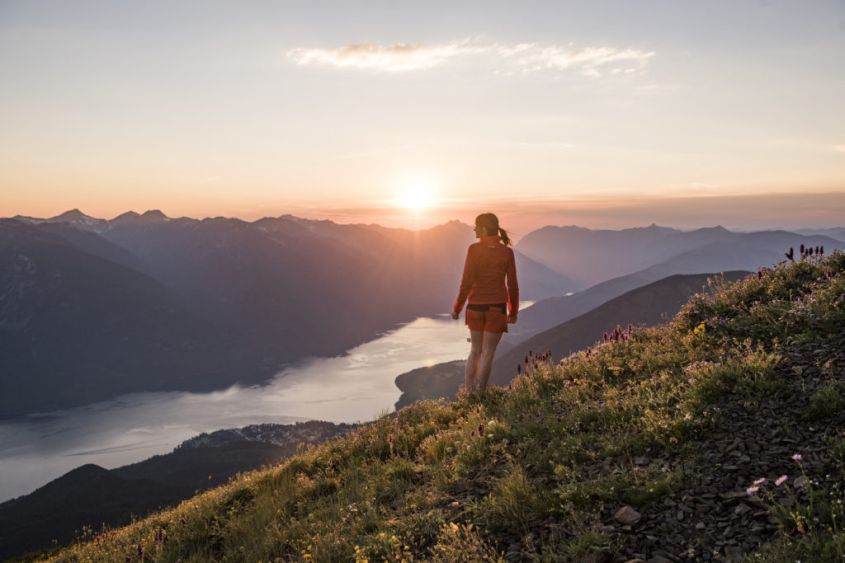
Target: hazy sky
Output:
{"points": [[261, 108]]}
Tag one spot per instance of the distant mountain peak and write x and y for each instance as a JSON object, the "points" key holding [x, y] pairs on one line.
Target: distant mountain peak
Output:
{"points": [[131, 217], [154, 215], [88, 468], [73, 216], [453, 224], [70, 215], [716, 229], [654, 227], [125, 216]]}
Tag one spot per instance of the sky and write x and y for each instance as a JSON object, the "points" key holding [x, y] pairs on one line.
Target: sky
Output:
{"points": [[600, 113]]}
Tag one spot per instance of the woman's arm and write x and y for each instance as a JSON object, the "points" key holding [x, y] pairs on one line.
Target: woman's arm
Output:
{"points": [[513, 288], [467, 279]]}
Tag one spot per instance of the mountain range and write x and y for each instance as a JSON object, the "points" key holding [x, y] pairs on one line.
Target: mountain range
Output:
{"points": [[589, 257], [718, 251], [92, 308]]}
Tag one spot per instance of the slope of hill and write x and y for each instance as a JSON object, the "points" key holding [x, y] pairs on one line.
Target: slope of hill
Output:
{"points": [[649, 305], [76, 328], [89, 496], [715, 436], [590, 257]]}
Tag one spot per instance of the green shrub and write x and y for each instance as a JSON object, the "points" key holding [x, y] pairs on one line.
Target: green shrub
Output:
{"points": [[826, 401]]}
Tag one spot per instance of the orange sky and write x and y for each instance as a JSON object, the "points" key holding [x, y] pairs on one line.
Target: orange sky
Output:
{"points": [[601, 114]]}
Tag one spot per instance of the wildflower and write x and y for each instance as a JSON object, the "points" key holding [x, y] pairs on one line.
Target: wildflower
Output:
{"points": [[797, 457], [781, 480], [751, 490], [760, 481]]}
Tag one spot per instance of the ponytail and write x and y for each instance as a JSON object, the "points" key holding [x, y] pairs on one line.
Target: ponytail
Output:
{"points": [[491, 224], [503, 234]]}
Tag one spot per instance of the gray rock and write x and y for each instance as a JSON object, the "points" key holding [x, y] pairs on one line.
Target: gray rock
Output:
{"points": [[802, 482], [627, 515]]}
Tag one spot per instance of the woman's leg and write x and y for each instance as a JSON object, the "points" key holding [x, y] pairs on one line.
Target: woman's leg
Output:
{"points": [[489, 342], [471, 369]]}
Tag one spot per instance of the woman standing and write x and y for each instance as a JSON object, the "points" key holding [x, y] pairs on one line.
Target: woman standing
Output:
{"points": [[490, 288]]}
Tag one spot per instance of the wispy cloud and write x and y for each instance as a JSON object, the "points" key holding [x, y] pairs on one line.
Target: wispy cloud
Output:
{"points": [[591, 61], [392, 58], [524, 57]]}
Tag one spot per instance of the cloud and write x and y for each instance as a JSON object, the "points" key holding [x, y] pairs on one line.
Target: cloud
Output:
{"points": [[391, 58], [839, 148], [524, 57], [589, 60]]}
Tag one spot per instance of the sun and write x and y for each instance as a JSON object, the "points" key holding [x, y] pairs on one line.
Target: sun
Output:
{"points": [[416, 193]]}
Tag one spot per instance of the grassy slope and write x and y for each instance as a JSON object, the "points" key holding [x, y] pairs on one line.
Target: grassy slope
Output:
{"points": [[539, 469]]}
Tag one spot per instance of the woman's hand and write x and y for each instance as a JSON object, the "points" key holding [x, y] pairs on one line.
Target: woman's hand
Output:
{"points": [[455, 315], [512, 319]]}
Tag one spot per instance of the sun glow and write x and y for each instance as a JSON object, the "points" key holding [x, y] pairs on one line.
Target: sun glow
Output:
{"points": [[416, 193]]}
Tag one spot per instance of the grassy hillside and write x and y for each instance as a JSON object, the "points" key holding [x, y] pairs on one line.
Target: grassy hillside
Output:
{"points": [[647, 448], [649, 305]]}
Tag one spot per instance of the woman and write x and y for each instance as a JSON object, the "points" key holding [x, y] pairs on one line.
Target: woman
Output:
{"points": [[492, 303]]}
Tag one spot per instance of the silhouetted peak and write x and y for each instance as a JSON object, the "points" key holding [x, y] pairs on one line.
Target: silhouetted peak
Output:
{"points": [[79, 476], [72, 216], [154, 215], [133, 218], [453, 227], [128, 216], [26, 219], [87, 469], [454, 224], [653, 228], [718, 229]]}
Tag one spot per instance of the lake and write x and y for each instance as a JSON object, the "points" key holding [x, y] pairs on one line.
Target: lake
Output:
{"points": [[357, 386]]}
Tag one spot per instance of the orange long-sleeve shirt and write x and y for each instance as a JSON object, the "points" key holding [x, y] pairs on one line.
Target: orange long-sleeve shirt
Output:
{"points": [[488, 265]]}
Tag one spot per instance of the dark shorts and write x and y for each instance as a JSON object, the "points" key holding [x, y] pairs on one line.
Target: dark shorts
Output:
{"points": [[487, 318]]}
